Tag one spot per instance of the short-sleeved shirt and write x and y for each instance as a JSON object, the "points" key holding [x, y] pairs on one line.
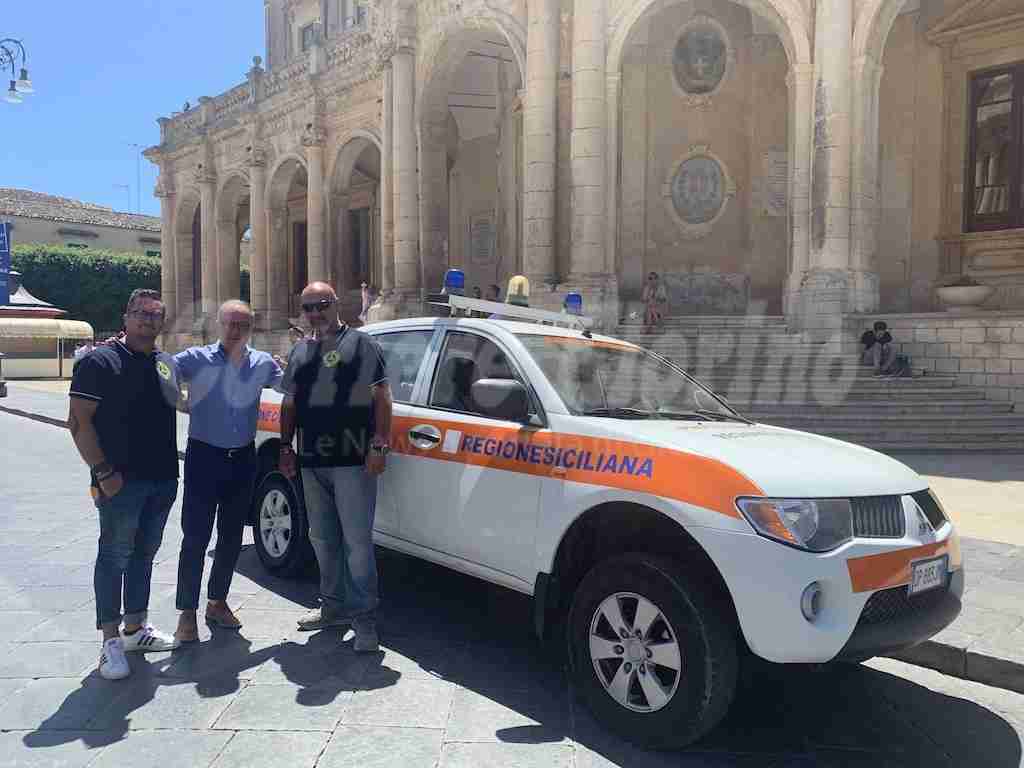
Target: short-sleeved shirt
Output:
{"points": [[224, 399], [136, 395], [868, 339], [332, 384]]}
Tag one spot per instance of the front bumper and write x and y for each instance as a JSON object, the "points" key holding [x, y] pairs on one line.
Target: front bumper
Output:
{"points": [[896, 622]]}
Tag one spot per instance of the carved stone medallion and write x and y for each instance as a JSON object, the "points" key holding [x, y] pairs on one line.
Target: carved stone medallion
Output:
{"points": [[698, 190], [701, 59]]}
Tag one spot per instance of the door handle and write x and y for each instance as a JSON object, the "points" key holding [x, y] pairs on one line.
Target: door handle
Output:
{"points": [[425, 436]]}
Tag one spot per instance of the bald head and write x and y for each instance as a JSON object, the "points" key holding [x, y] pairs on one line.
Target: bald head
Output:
{"points": [[232, 306], [318, 290]]}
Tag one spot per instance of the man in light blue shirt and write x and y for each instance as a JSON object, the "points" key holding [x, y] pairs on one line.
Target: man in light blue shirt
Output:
{"points": [[225, 381]]}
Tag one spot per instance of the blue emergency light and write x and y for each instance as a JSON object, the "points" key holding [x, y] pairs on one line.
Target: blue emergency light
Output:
{"points": [[454, 282], [573, 304]]}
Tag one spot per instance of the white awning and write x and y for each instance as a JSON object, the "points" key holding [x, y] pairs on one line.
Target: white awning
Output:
{"points": [[43, 328]]}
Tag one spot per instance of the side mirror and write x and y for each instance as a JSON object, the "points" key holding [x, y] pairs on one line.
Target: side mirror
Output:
{"points": [[502, 399]]}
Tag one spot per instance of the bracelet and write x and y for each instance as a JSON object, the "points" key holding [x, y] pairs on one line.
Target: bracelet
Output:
{"points": [[103, 468], [107, 476]]}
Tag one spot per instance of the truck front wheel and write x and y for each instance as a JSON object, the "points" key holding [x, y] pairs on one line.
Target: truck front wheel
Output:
{"points": [[654, 653], [280, 529]]}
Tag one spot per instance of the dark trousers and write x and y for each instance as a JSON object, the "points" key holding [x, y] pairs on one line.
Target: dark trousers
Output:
{"points": [[218, 484]]}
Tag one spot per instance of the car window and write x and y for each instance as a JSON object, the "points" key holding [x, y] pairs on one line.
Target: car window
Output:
{"points": [[595, 376], [467, 358], [404, 352]]}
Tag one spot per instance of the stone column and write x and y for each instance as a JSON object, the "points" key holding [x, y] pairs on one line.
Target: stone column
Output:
{"points": [[207, 191], [277, 275], [827, 286], [258, 269], [433, 179], [588, 138], [317, 265], [864, 188], [540, 128], [387, 200], [344, 249], [800, 82], [168, 271], [406, 176], [613, 84], [228, 262]]}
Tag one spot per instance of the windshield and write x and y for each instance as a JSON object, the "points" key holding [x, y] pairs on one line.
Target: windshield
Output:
{"points": [[597, 378]]}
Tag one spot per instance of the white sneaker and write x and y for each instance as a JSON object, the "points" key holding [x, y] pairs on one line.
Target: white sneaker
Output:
{"points": [[113, 662], [148, 639]]}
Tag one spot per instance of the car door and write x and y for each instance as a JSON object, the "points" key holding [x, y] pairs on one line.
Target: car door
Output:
{"points": [[405, 354], [454, 498]]}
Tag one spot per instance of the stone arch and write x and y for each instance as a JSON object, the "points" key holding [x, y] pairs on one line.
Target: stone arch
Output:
{"points": [[286, 240], [354, 216], [232, 219], [786, 17], [871, 27], [442, 220], [188, 258]]}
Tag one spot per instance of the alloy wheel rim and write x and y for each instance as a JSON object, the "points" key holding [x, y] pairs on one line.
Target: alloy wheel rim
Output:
{"points": [[635, 652], [276, 523]]}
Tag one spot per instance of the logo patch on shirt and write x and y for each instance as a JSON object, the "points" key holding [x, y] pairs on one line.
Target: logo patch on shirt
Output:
{"points": [[331, 359], [163, 369]]}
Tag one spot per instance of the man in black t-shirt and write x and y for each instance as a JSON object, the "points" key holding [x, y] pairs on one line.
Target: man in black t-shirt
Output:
{"points": [[336, 392], [123, 421]]}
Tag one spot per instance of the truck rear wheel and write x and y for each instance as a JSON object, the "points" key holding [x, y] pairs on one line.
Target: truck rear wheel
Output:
{"points": [[654, 653], [280, 528]]}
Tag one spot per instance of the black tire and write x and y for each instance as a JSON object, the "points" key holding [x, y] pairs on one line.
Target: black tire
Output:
{"points": [[691, 615], [288, 553]]}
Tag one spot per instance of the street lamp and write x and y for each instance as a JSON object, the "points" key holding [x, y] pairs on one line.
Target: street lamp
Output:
{"points": [[8, 58]]}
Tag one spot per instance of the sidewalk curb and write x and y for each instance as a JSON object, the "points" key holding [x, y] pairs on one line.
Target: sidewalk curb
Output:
{"points": [[966, 664], [942, 657]]}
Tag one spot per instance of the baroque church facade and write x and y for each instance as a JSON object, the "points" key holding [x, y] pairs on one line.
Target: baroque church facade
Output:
{"points": [[818, 159]]}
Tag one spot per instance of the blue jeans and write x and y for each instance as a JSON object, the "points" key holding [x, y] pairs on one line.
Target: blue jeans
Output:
{"points": [[340, 505], [131, 529]]}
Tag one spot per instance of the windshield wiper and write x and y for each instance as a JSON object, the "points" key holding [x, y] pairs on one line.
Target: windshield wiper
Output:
{"points": [[702, 413], [619, 413]]}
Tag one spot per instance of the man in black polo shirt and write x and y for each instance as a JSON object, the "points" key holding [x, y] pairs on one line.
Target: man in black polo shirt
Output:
{"points": [[123, 421], [336, 392]]}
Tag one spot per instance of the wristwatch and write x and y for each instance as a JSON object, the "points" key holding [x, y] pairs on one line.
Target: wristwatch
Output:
{"points": [[102, 471]]}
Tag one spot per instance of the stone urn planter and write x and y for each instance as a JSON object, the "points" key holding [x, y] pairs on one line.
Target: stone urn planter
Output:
{"points": [[965, 295]]}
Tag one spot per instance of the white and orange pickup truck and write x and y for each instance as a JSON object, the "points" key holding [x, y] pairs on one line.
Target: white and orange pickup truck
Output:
{"points": [[660, 533]]}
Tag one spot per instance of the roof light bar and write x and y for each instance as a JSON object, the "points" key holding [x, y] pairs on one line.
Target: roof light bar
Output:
{"points": [[510, 311]]}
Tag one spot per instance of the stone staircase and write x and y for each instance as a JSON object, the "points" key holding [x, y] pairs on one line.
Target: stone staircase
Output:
{"points": [[772, 376]]}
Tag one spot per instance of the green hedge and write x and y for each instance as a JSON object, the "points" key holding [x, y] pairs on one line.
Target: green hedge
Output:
{"points": [[91, 284]]}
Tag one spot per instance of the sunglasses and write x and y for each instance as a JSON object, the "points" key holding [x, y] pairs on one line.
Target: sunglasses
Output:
{"points": [[153, 317], [317, 306]]}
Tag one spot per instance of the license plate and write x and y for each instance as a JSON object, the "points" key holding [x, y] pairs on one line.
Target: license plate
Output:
{"points": [[928, 574]]}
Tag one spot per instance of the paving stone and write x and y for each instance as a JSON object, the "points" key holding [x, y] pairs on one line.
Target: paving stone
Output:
{"points": [[59, 703], [71, 626], [253, 749], [996, 593], [47, 599], [533, 716], [412, 703], [1014, 573], [285, 708], [977, 621], [166, 749], [276, 624], [48, 659], [299, 599], [310, 664], [360, 745], [46, 575], [421, 658], [49, 749], [161, 703], [226, 652], [19, 624], [505, 756]]}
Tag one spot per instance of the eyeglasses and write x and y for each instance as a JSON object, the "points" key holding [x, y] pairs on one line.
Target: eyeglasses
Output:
{"points": [[243, 325], [319, 306], [152, 317]]}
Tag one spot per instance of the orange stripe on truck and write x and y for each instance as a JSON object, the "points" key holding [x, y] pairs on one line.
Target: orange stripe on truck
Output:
{"points": [[892, 569], [270, 418], [673, 474]]}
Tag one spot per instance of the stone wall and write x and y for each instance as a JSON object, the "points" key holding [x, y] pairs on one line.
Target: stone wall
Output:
{"points": [[983, 350]]}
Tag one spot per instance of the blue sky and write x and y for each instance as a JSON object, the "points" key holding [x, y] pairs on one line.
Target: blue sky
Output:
{"points": [[104, 71]]}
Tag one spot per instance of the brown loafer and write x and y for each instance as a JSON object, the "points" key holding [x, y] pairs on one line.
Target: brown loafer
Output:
{"points": [[187, 631], [222, 617]]}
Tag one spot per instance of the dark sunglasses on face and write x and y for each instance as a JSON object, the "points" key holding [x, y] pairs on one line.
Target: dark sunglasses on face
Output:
{"points": [[319, 306], [152, 317]]}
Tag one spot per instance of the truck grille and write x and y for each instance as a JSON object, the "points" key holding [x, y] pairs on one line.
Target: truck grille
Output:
{"points": [[895, 603], [930, 507], [878, 517]]}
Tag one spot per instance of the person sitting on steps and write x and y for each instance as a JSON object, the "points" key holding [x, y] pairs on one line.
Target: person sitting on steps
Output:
{"points": [[878, 350]]}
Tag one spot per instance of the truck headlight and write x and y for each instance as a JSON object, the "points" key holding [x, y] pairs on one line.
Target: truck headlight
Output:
{"points": [[816, 525]]}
